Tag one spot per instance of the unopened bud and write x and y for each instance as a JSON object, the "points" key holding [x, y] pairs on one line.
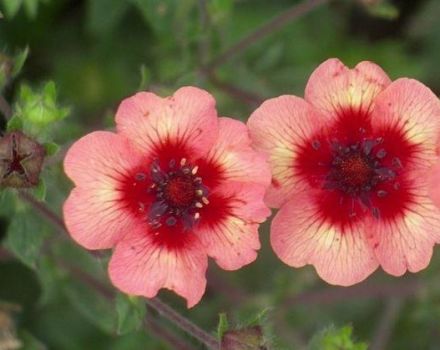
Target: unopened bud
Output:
{"points": [[21, 159], [244, 339]]}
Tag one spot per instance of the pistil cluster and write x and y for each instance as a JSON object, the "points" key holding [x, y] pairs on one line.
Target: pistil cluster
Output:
{"points": [[358, 169], [178, 192]]}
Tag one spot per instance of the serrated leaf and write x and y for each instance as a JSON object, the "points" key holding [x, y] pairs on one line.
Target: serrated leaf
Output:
{"points": [[336, 339], [130, 313], [39, 191], [50, 92], [11, 7], [51, 148], [15, 123], [223, 325], [25, 237], [19, 61]]}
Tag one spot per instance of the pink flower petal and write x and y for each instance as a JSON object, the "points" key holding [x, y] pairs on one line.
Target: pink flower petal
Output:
{"points": [[335, 89], [434, 184], [299, 237], [188, 120], [406, 243], [233, 239], [277, 128], [99, 159], [94, 215], [142, 266], [411, 106], [234, 157]]}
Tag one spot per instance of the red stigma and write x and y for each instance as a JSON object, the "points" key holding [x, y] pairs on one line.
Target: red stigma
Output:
{"points": [[180, 191]]}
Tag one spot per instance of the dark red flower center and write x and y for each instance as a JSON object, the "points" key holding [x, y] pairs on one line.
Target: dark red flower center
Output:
{"points": [[178, 194], [358, 170]]}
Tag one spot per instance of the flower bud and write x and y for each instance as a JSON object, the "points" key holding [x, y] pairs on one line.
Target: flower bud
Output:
{"points": [[244, 339], [21, 159]]}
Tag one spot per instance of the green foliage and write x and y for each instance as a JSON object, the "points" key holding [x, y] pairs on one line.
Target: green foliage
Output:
{"points": [[25, 237], [383, 9], [51, 148], [39, 110], [336, 339], [14, 124], [223, 325], [130, 313], [12, 7]]}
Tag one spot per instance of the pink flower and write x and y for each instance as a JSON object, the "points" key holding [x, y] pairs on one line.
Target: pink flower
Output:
{"points": [[174, 185], [350, 164]]}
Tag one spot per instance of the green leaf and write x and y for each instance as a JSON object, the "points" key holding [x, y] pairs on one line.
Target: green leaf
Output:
{"points": [[15, 123], [130, 313], [93, 306], [384, 10], [51, 148], [40, 191], [19, 60], [31, 7], [25, 237], [223, 325], [336, 339], [11, 7], [39, 109]]}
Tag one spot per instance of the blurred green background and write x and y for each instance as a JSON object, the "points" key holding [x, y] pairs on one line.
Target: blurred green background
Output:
{"points": [[98, 52]]}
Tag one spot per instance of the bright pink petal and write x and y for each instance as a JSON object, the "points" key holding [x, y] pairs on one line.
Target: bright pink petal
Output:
{"points": [[232, 240], [96, 219], [434, 184], [94, 215], [299, 237], [335, 89], [187, 119], [406, 243], [278, 128], [142, 266], [100, 159], [234, 157], [412, 107]]}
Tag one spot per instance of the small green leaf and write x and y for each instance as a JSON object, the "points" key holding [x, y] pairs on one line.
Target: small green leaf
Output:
{"points": [[11, 7], [40, 191], [336, 339], [15, 123], [51, 148], [130, 313], [25, 237], [31, 7], [50, 92], [384, 10], [19, 61], [223, 325]]}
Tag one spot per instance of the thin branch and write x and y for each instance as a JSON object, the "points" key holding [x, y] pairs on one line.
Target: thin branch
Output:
{"points": [[183, 323], [43, 209], [163, 333], [247, 97], [5, 108], [270, 27]]}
